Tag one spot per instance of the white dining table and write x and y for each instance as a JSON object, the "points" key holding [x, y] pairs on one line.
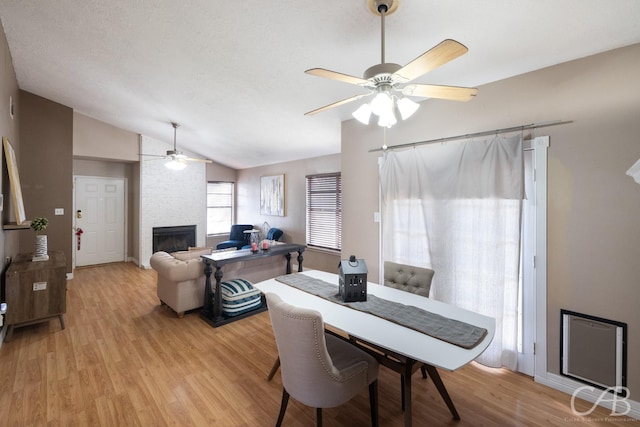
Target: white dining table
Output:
{"points": [[396, 346]]}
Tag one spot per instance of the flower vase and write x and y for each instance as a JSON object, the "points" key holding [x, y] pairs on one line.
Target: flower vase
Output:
{"points": [[41, 253]]}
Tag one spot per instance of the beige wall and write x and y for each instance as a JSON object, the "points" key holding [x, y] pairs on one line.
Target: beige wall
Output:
{"points": [[9, 240], [46, 130], [95, 139], [593, 207], [218, 172], [293, 224]]}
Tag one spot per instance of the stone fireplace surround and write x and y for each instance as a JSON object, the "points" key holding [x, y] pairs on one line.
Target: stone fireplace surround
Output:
{"points": [[169, 198]]}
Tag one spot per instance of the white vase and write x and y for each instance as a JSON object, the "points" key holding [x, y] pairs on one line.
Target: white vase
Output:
{"points": [[41, 253]]}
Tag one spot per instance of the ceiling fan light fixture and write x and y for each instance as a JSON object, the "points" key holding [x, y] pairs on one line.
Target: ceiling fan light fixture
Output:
{"points": [[407, 107], [175, 165], [384, 106], [387, 119], [381, 104], [363, 114]]}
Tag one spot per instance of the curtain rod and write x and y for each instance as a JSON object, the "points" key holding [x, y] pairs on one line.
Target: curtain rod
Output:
{"points": [[473, 135]]}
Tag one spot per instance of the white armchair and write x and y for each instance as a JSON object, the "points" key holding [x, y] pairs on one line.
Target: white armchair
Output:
{"points": [[180, 281]]}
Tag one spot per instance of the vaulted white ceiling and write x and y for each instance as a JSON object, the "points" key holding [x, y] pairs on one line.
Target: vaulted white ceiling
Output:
{"points": [[232, 73]]}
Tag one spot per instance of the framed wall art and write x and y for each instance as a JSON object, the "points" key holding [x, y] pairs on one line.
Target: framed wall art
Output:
{"points": [[14, 181], [272, 195]]}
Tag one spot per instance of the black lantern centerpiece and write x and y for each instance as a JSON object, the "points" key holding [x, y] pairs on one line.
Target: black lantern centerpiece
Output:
{"points": [[353, 279]]}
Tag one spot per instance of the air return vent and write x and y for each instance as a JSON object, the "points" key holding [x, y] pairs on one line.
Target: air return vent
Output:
{"points": [[594, 350]]}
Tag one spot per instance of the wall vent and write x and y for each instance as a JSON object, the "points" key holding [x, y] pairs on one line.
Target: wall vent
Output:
{"points": [[594, 350]]}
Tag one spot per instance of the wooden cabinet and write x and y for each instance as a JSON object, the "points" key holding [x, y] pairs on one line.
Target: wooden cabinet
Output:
{"points": [[35, 291]]}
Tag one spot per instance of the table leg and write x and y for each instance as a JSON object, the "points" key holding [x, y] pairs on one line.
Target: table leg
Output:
{"points": [[300, 259], [61, 321], [207, 309], [402, 390], [217, 296], [435, 376], [288, 257], [406, 392]]}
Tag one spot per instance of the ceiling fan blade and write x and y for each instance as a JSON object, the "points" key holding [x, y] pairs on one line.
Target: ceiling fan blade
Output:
{"points": [[182, 157], [193, 159], [335, 104], [334, 75], [453, 93], [438, 55]]}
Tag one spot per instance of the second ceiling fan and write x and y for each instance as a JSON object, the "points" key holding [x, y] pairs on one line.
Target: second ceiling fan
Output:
{"points": [[388, 80], [176, 159]]}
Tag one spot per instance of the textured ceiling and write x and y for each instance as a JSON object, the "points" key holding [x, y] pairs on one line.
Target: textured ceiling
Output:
{"points": [[232, 73]]}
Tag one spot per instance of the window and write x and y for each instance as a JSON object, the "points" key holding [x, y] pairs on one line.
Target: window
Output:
{"points": [[324, 211], [219, 207]]}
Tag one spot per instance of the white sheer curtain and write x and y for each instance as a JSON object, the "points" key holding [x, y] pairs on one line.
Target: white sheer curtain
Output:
{"points": [[456, 208]]}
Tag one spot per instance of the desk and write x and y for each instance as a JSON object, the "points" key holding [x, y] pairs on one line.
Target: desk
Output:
{"points": [[408, 349], [212, 310]]}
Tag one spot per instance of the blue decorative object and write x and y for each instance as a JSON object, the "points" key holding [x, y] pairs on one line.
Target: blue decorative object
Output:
{"points": [[237, 237], [274, 234]]}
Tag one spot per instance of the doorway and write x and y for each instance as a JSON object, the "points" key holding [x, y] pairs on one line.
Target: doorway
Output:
{"points": [[99, 220]]}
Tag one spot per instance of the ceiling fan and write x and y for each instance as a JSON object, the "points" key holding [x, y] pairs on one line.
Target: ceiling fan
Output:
{"points": [[389, 81], [177, 160]]}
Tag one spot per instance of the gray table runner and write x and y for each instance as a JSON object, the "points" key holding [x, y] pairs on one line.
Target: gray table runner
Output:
{"points": [[449, 330]]}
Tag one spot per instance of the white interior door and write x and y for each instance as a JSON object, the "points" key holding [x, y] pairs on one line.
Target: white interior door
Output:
{"points": [[100, 214]]}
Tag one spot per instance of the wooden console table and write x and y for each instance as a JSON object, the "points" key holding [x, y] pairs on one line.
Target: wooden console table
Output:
{"points": [[212, 310], [36, 291]]}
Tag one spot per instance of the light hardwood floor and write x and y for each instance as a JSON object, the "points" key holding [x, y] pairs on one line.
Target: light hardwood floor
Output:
{"points": [[124, 360]]}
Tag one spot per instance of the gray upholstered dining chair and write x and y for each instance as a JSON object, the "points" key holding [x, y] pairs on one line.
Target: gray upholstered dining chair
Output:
{"points": [[416, 280], [318, 369], [409, 278]]}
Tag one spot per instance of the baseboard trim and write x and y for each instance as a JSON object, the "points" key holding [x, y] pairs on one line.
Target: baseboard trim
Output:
{"points": [[567, 385]]}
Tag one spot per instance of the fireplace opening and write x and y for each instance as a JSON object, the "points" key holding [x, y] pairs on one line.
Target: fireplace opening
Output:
{"points": [[172, 239]]}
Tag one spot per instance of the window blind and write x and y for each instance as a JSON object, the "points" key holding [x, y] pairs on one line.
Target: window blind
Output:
{"points": [[219, 207], [324, 211]]}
